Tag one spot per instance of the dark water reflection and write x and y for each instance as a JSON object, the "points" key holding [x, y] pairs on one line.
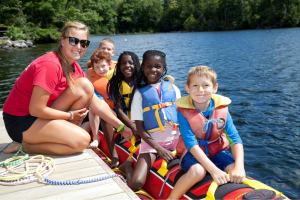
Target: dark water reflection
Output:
{"points": [[258, 70]]}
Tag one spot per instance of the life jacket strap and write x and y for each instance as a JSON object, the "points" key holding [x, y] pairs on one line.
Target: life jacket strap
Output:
{"points": [[205, 143], [156, 108]]}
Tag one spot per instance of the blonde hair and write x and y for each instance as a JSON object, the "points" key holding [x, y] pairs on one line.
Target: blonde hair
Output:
{"points": [[107, 40], [201, 71], [65, 32]]}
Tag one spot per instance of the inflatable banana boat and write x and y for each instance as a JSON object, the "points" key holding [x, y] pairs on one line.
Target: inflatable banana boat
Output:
{"points": [[163, 176]]}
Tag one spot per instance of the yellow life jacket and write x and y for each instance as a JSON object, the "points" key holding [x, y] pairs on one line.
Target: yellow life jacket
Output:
{"points": [[125, 91]]}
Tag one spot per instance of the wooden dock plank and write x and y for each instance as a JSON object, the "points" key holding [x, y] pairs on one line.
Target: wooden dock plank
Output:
{"points": [[85, 165], [89, 193], [122, 196]]}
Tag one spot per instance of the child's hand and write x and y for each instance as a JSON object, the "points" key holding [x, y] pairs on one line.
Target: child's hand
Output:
{"points": [[165, 154], [136, 135], [79, 115], [127, 134], [237, 175], [219, 176]]}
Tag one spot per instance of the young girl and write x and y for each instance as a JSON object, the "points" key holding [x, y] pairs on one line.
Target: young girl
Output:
{"points": [[157, 124], [119, 87]]}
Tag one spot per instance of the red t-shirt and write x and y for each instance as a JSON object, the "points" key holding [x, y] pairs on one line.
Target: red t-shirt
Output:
{"points": [[46, 72]]}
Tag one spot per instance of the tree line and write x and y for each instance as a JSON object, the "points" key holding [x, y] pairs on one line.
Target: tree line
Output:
{"points": [[41, 20]]}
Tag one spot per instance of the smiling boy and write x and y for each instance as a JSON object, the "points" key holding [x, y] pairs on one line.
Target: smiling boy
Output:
{"points": [[207, 131]]}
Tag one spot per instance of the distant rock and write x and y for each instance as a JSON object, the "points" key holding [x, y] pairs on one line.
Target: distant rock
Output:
{"points": [[29, 43], [7, 44]]}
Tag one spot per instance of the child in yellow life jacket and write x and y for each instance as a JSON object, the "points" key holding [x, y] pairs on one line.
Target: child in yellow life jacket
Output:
{"points": [[207, 130], [154, 113], [119, 86]]}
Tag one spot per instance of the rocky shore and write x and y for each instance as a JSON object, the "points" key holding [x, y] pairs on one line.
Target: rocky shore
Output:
{"points": [[8, 44]]}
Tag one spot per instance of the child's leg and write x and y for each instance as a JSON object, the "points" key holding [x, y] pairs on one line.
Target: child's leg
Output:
{"points": [[195, 174], [109, 137], [137, 177], [94, 123]]}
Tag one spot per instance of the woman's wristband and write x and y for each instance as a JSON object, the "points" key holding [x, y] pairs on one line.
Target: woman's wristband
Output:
{"points": [[72, 116], [121, 128]]}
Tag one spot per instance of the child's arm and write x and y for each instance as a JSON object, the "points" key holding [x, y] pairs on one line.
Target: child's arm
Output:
{"points": [[237, 174], [123, 117]]}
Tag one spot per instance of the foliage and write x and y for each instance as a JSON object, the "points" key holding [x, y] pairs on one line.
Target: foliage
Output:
{"points": [[15, 33], [41, 20]]}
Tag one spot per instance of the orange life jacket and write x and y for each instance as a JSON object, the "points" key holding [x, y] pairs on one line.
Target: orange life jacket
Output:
{"points": [[211, 140], [100, 84]]}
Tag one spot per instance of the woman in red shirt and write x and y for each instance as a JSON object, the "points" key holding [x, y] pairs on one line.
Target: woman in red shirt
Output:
{"points": [[51, 97]]}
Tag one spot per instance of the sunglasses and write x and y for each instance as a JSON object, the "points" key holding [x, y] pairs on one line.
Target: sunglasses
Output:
{"points": [[74, 41]]}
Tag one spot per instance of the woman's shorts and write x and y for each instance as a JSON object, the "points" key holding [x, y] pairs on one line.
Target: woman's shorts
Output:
{"points": [[16, 125], [221, 160], [169, 145]]}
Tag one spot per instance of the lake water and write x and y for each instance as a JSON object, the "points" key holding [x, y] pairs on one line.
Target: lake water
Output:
{"points": [[257, 69]]}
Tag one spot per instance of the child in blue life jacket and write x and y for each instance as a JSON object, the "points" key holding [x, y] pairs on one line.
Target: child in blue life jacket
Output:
{"points": [[207, 131], [120, 85], [154, 113]]}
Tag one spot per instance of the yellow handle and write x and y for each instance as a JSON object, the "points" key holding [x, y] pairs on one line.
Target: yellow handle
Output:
{"points": [[132, 149], [163, 170], [210, 195]]}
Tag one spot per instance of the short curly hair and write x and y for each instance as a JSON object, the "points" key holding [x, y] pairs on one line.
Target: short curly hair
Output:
{"points": [[100, 55]]}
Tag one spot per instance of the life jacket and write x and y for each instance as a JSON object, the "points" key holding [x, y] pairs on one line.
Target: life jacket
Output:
{"points": [[125, 91], [208, 132], [100, 84], [153, 106]]}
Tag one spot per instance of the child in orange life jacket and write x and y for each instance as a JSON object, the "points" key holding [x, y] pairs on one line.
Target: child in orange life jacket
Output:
{"points": [[205, 115], [120, 85], [105, 45], [108, 46], [160, 132], [100, 62]]}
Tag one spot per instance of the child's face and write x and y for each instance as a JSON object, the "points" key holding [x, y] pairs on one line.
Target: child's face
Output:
{"points": [[201, 90], [108, 47], [101, 68], [127, 67], [153, 69]]}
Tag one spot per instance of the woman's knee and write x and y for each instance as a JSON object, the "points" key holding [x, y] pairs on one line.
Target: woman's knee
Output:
{"points": [[81, 140], [84, 85]]}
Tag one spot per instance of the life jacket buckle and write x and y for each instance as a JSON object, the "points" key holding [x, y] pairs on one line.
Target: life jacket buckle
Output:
{"points": [[162, 105]]}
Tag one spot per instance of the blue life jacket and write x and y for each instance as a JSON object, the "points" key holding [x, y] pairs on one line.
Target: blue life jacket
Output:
{"points": [[153, 106]]}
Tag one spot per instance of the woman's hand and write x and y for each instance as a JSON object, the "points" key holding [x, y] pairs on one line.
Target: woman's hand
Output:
{"points": [[219, 176], [165, 154], [79, 115]]}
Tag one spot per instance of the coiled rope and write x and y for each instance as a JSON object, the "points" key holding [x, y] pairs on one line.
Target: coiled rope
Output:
{"points": [[44, 167]]}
